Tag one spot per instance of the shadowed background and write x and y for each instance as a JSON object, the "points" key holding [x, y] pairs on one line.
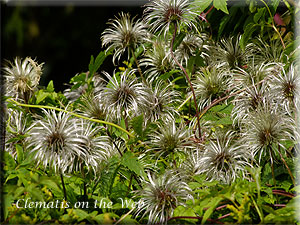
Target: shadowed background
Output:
{"points": [[62, 35]]}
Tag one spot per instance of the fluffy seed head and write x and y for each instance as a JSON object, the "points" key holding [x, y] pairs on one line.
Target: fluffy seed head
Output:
{"points": [[285, 88], [160, 14], [22, 78], [210, 83], [123, 94], [223, 159], [160, 196], [157, 59], [16, 131], [265, 130], [123, 34], [56, 142], [190, 45], [169, 138], [228, 53], [160, 102]]}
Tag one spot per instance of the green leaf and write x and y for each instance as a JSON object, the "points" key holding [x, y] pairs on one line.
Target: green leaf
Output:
{"points": [[81, 214], [91, 65], [50, 86], [212, 205], [274, 4], [223, 23], [52, 185], [178, 40], [250, 28], [224, 108], [129, 220], [225, 121], [27, 160], [137, 52], [183, 211], [19, 191], [202, 4], [78, 78], [221, 4], [137, 125], [20, 153], [95, 64], [259, 14], [166, 75], [41, 95], [9, 161], [108, 174], [8, 200], [284, 215], [105, 218], [131, 162], [252, 6]]}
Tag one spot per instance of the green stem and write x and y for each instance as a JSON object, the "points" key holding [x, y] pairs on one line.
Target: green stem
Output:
{"points": [[63, 185], [185, 102], [137, 64], [273, 25], [71, 113], [258, 210]]}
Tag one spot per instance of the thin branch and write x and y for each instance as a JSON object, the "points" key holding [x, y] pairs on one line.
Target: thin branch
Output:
{"points": [[289, 171], [71, 113], [273, 25], [123, 217], [224, 216], [63, 185], [226, 97], [187, 77], [283, 193], [137, 64]]}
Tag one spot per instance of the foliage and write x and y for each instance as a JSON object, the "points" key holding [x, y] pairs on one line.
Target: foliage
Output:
{"points": [[133, 148]]}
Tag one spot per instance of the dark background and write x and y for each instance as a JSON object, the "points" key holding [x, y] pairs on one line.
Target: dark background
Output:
{"points": [[64, 37], [64, 34]]}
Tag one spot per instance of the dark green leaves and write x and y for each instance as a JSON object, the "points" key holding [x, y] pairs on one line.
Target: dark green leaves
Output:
{"points": [[95, 64], [131, 162], [222, 5], [202, 4]]}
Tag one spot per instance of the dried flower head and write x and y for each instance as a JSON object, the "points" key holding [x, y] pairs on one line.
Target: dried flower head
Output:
{"points": [[22, 78], [223, 159], [123, 94], [16, 131], [190, 45], [170, 138], [90, 105], [265, 130], [249, 100], [210, 84], [160, 102], [285, 88], [95, 146], [157, 59], [228, 53], [160, 14], [271, 51], [160, 196], [123, 34], [190, 166], [56, 142], [251, 75]]}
